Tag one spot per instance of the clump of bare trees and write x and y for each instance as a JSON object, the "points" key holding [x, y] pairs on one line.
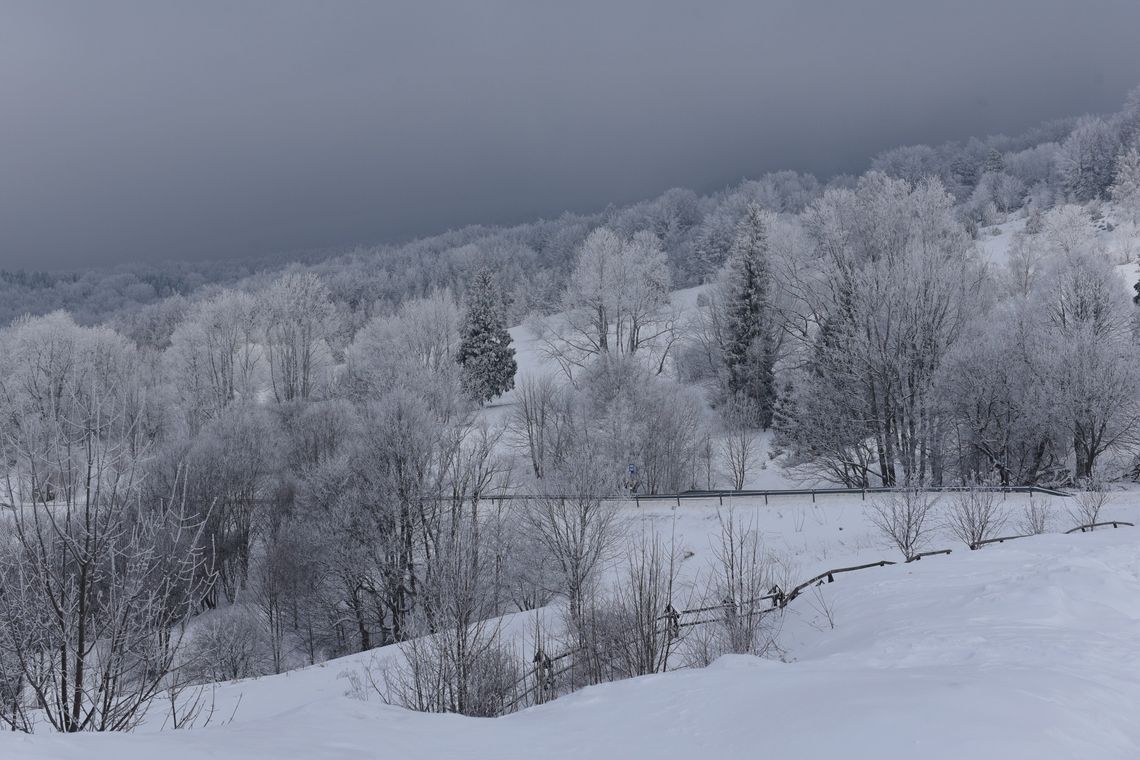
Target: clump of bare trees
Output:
{"points": [[458, 662], [97, 582], [629, 632], [96, 592]]}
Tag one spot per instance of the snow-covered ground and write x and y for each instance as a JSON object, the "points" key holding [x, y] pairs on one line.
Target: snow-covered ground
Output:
{"points": [[1025, 649]]}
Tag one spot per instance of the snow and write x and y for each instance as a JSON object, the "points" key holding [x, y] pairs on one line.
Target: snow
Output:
{"points": [[1023, 649], [996, 241]]}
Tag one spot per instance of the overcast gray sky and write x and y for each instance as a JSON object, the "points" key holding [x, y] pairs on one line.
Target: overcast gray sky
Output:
{"points": [[158, 130]]}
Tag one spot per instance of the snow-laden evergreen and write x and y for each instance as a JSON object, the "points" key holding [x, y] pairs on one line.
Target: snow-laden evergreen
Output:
{"points": [[749, 350], [485, 350]]}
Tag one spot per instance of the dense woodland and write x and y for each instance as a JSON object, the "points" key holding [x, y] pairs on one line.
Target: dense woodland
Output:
{"points": [[301, 456]]}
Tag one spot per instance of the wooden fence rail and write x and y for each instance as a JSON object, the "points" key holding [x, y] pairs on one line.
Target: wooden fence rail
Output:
{"points": [[532, 688], [1092, 526]]}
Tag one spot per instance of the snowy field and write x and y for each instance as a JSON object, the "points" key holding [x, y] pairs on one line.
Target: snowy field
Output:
{"points": [[1023, 649]]}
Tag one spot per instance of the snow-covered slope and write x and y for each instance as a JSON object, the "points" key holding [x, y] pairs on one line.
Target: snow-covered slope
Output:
{"points": [[1025, 649]]}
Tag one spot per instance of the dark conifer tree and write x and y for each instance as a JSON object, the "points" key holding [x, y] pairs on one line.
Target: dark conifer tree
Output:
{"points": [[749, 351], [485, 350]]}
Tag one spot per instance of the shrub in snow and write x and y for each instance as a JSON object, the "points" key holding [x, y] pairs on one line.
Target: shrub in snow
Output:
{"points": [[903, 518], [974, 516], [465, 672], [1035, 518], [231, 643], [1085, 506]]}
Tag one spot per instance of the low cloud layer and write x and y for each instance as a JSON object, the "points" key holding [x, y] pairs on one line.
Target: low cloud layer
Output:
{"points": [[147, 131]]}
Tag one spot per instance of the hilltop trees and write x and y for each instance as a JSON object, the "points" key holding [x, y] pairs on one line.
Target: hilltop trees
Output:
{"points": [[215, 355], [616, 303], [1087, 158], [485, 347], [300, 323], [1125, 189]]}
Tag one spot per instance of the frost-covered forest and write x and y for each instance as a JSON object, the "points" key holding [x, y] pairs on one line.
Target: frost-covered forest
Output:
{"points": [[223, 470]]}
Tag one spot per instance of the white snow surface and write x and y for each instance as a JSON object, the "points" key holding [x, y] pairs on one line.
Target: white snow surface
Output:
{"points": [[1023, 649]]}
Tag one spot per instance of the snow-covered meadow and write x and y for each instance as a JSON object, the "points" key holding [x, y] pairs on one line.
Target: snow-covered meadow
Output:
{"points": [[1022, 649]]}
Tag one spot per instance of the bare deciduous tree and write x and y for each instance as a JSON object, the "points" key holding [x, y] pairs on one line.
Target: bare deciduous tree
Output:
{"points": [[537, 419], [1035, 517], [974, 516], [94, 596], [1085, 506], [740, 446], [299, 321], [571, 519], [742, 579], [903, 518]]}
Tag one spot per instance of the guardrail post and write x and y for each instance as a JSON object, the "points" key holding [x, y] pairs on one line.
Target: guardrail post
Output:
{"points": [[813, 496], [721, 497], [765, 498]]}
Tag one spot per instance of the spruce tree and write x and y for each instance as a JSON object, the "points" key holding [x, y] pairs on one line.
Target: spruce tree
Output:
{"points": [[485, 351], [749, 353]]}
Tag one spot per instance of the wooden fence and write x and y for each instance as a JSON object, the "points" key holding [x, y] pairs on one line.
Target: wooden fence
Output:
{"points": [[553, 676]]}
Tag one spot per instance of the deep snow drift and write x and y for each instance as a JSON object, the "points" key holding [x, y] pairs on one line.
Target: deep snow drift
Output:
{"points": [[1025, 649]]}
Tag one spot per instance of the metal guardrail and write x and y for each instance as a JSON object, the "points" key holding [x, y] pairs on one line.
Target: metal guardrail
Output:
{"points": [[768, 493]]}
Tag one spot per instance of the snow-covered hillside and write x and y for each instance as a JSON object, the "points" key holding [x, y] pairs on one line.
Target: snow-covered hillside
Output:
{"points": [[1024, 649]]}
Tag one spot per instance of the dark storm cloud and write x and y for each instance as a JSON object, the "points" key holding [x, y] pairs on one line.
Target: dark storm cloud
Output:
{"points": [[167, 130]]}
